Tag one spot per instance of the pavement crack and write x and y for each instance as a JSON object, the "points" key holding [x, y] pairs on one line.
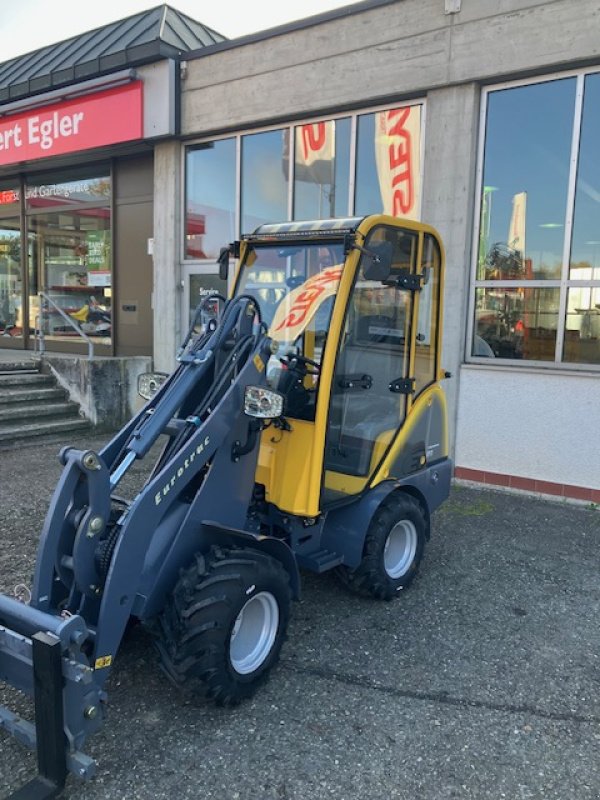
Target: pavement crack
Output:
{"points": [[436, 697]]}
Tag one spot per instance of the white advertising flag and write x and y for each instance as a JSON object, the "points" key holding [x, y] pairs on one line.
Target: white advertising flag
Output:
{"points": [[516, 230], [397, 153], [315, 152]]}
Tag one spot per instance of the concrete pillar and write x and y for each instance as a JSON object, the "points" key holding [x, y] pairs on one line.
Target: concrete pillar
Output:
{"points": [[449, 197], [166, 296]]}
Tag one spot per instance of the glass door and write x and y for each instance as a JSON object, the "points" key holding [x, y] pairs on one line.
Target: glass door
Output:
{"points": [[70, 257], [11, 284], [369, 389], [11, 275], [199, 282]]}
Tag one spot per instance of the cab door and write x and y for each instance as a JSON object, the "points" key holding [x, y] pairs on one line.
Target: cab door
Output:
{"points": [[371, 384]]}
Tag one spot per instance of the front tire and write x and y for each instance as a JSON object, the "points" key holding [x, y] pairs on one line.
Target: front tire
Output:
{"points": [[393, 549], [223, 627]]}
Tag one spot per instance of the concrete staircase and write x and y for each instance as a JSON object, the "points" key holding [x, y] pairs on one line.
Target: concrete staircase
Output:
{"points": [[32, 404]]}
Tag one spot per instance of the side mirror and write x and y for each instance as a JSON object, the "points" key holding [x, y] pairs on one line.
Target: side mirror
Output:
{"points": [[223, 262], [378, 261]]}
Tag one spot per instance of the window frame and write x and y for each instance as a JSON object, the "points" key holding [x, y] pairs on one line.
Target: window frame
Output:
{"points": [[291, 126], [564, 283]]}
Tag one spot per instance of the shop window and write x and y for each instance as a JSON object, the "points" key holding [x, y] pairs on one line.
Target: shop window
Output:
{"points": [[516, 323], [534, 298], [265, 183], [582, 332], [210, 198], [322, 169], [525, 181], [585, 249], [69, 256], [388, 169]]}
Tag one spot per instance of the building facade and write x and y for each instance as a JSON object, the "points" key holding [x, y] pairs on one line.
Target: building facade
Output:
{"points": [[78, 125], [476, 116], [488, 111]]}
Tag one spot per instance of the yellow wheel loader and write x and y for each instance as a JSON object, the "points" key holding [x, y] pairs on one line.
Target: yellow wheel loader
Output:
{"points": [[303, 428]]}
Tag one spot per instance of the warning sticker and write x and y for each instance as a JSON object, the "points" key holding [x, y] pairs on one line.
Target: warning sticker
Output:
{"points": [[103, 662]]}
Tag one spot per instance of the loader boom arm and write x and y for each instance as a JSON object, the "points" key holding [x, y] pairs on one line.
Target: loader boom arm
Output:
{"points": [[102, 560]]}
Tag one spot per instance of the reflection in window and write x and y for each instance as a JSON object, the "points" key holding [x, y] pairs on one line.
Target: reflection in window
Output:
{"points": [[322, 169], [11, 322], [264, 179], [525, 207], [517, 323], [585, 248], [70, 247], [201, 288], [210, 198], [295, 288], [51, 193], [525, 180], [388, 163], [582, 333]]}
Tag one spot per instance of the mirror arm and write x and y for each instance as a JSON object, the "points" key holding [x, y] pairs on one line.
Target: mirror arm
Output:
{"points": [[369, 253]]}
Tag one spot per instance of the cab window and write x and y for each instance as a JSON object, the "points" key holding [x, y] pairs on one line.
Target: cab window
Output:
{"points": [[368, 399]]}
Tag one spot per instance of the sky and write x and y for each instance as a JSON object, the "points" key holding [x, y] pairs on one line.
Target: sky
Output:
{"points": [[27, 25]]}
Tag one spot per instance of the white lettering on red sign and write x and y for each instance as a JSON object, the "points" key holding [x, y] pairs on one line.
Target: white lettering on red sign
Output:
{"points": [[42, 131], [46, 131], [113, 115]]}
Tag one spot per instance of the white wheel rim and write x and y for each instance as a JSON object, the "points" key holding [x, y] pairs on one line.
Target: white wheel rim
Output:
{"points": [[400, 549], [254, 633]]}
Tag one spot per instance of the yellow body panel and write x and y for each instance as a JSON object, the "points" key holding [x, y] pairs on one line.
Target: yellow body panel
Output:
{"points": [[419, 408]]}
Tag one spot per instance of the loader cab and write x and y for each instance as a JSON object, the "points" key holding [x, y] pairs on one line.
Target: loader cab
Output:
{"points": [[354, 306]]}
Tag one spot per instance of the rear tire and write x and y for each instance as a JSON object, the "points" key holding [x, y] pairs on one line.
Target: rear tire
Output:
{"points": [[222, 629], [393, 550]]}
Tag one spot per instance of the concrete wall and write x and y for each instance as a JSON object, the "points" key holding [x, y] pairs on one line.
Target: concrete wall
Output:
{"points": [[105, 388], [404, 48], [448, 197], [534, 424], [168, 227]]}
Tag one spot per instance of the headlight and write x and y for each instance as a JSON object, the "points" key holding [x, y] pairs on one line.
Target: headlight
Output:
{"points": [[263, 403], [150, 382]]}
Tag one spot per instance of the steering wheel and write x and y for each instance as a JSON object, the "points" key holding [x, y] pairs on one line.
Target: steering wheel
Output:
{"points": [[303, 362]]}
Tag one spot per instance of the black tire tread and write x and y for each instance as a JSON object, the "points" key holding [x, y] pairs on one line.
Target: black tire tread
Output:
{"points": [[194, 627], [369, 578]]}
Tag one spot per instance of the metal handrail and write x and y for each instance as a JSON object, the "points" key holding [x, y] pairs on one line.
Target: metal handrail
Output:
{"points": [[39, 333]]}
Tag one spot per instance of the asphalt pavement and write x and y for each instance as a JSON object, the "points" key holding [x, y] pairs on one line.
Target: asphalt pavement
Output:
{"points": [[480, 681]]}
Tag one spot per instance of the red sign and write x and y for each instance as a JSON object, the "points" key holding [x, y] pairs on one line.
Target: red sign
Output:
{"points": [[94, 120], [9, 196]]}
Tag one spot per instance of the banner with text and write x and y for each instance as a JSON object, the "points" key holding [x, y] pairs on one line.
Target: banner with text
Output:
{"points": [[315, 152], [397, 153]]}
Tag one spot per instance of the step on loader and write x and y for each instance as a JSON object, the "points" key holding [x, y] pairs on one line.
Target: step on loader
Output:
{"points": [[303, 428]]}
